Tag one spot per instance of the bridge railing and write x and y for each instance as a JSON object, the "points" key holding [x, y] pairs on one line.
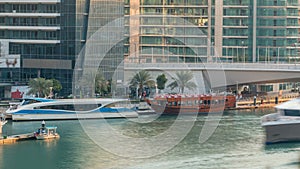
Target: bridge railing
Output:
{"points": [[203, 66]]}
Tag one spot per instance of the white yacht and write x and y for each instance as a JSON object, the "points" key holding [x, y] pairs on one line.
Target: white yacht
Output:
{"points": [[66, 109], [15, 105], [284, 125]]}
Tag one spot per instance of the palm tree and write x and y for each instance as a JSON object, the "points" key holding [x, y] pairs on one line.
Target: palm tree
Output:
{"points": [[182, 81], [40, 86], [141, 79]]}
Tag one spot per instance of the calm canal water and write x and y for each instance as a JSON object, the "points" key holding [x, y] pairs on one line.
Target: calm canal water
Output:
{"points": [[238, 142]]}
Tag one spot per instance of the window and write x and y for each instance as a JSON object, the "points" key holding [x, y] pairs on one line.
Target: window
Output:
{"points": [[2, 20], [14, 49], [292, 112], [51, 8], [2, 7]]}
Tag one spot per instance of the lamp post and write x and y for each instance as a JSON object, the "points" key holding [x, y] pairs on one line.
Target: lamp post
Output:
{"points": [[289, 55], [212, 51], [135, 56], [137, 91], [258, 54], [266, 55], [296, 52], [237, 54], [227, 54], [278, 55], [244, 59]]}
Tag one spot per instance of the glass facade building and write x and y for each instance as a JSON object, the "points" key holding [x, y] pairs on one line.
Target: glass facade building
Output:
{"points": [[167, 31], [231, 30], [37, 40], [100, 25]]}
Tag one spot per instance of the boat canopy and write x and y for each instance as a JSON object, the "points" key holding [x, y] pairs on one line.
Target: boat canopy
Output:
{"points": [[51, 128]]}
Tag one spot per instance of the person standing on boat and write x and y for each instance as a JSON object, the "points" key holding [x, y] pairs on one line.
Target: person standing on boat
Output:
{"points": [[43, 126], [2, 117]]}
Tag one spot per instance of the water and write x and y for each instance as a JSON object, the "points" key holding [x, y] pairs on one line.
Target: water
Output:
{"points": [[238, 142]]}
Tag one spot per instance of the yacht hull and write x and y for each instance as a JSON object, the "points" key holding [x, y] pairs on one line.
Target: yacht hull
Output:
{"points": [[282, 132], [73, 116]]}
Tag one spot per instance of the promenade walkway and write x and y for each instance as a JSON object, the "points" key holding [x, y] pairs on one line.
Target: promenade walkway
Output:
{"points": [[264, 101]]}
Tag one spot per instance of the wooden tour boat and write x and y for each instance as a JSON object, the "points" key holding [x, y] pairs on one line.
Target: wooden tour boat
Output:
{"points": [[175, 104]]}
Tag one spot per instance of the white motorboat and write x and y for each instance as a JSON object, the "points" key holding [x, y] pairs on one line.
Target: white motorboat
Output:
{"points": [[74, 109], [284, 125]]}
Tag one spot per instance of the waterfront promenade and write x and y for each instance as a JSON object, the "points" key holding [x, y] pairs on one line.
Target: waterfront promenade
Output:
{"points": [[264, 101], [267, 101]]}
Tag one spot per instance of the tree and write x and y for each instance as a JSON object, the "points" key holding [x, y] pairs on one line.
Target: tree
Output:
{"points": [[101, 84], [141, 79], [56, 85], [161, 81], [40, 86], [182, 81], [87, 83]]}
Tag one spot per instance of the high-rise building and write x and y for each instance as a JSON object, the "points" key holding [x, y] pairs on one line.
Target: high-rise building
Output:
{"points": [[230, 30], [37, 39]]}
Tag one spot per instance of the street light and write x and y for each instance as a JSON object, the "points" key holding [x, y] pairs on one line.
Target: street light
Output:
{"points": [[266, 55], [137, 57], [289, 55], [244, 59]]}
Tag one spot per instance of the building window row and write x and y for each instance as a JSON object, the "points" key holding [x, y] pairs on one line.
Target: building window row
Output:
{"points": [[277, 12], [33, 50], [174, 2], [236, 2], [277, 3], [178, 31], [277, 32], [188, 21], [235, 22], [39, 35], [175, 11], [7, 21], [29, 8], [235, 12], [276, 22], [150, 50], [235, 32]]}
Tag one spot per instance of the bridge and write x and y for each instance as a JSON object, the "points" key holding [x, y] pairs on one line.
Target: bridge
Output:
{"points": [[226, 74]]}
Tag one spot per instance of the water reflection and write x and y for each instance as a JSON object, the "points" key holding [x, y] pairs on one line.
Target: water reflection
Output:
{"points": [[238, 142]]}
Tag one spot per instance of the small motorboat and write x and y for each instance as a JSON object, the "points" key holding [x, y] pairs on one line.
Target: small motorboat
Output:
{"points": [[44, 133]]}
